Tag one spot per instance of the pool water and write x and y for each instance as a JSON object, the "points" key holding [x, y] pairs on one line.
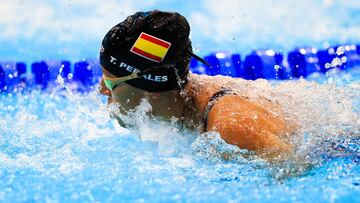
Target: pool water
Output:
{"points": [[62, 146]]}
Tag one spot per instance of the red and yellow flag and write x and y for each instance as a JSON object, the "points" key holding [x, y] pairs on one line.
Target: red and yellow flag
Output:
{"points": [[150, 47]]}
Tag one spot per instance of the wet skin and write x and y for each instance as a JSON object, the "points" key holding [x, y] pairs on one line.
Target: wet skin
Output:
{"points": [[239, 121]]}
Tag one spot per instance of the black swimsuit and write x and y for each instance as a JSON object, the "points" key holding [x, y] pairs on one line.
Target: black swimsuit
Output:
{"points": [[212, 101]]}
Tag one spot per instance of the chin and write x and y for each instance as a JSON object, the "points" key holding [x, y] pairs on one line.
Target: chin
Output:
{"points": [[109, 100]]}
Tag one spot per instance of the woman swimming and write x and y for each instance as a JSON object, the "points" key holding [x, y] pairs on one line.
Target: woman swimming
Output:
{"points": [[147, 56]]}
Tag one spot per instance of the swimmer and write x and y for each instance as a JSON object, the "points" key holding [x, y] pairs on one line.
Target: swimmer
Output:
{"points": [[147, 56]]}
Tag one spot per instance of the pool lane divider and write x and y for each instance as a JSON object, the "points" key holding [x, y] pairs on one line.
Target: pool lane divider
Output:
{"points": [[267, 64]]}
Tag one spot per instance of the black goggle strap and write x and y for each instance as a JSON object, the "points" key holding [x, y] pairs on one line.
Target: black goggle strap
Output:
{"points": [[198, 58]]}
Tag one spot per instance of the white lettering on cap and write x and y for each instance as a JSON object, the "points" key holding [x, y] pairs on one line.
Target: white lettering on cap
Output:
{"points": [[131, 69], [122, 65], [112, 60], [156, 78]]}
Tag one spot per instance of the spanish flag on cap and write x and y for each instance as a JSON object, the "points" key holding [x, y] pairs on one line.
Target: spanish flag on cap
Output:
{"points": [[150, 47]]}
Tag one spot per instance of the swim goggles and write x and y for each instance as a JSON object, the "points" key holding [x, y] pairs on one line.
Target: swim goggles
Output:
{"points": [[111, 83]]}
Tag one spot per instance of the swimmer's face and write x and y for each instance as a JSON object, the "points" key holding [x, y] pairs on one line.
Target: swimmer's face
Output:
{"points": [[126, 95]]}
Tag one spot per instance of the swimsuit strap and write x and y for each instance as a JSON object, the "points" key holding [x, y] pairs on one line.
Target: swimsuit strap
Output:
{"points": [[213, 99]]}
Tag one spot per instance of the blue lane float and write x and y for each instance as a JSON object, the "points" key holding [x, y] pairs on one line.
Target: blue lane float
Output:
{"points": [[44, 72], [348, 56], [303, 62], [339, 57], [41, 73], [21, 69], [12, 75], [236, 62], [87, 72], [325, 58], [223, 63], [267, 64], [60, 68]]}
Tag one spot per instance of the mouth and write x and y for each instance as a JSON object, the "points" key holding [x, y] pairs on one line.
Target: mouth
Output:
{"points": [[109, 100]]}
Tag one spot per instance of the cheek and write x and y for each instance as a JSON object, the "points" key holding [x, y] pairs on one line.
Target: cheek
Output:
{"points": [[118, 93], [122, 95]]}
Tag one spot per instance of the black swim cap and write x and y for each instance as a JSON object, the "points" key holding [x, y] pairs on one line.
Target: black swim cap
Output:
{"points": [[146, 41]]}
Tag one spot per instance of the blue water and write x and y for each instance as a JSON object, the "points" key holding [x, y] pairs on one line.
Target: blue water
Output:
{"points": [[61, 146]]}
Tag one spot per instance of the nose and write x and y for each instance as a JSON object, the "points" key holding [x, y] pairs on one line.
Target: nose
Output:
{"points": [[103, 89]]}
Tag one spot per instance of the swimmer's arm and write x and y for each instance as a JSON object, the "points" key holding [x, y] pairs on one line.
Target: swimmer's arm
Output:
{"points": [[249, 126]]}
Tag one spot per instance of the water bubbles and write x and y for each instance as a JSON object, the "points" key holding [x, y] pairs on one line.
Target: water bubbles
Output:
{"points": [[227, 64], [277, 67], [70, 76], [60, 80], [343, 59], [328, 65], [336, 62], [210, 146], [68, 146], [340, 50]]}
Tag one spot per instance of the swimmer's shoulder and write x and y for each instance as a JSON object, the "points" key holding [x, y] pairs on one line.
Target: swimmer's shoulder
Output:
{"points": [[201, 89]]}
